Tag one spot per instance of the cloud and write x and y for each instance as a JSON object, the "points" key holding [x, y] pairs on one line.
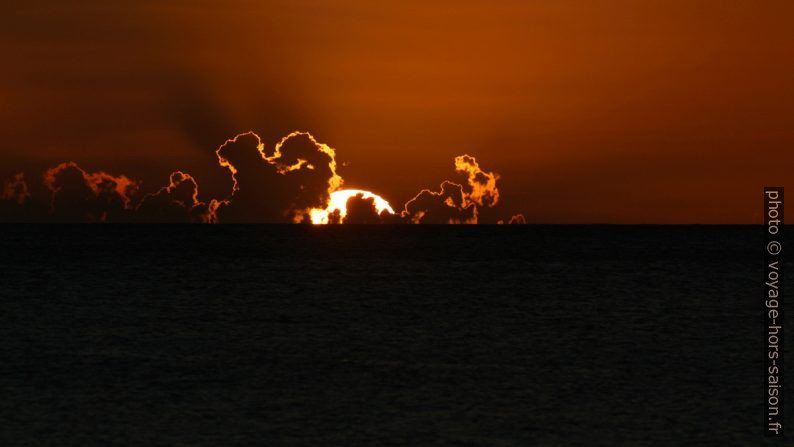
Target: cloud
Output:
{"points": [[15, 190], [456, 203], [176, 203], [79, 196], [447, 206], [335, 217], [516, 219], [361, 210], [483, 184], [280, 187], [16, 204]]}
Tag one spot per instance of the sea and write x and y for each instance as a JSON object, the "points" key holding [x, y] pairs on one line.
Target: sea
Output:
{"points": [[525, 335]]}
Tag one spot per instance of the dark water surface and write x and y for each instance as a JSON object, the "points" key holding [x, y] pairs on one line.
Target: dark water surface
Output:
{"points": [[292, 335]]}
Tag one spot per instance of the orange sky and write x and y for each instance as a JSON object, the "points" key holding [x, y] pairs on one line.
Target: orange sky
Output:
{"points": [[617, 112]]}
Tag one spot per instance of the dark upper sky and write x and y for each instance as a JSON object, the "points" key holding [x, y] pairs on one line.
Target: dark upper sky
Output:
{"points": [[622, 111]]}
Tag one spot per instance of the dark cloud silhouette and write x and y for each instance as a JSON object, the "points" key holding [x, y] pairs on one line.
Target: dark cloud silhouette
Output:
{"points": [[393, 219], [516, 219], [279, 187], [16, 204], [361, 210], [177, 203], [447, 206], [290, 183], [335, 217], [15, 190], [456, 203], [79, 196]]}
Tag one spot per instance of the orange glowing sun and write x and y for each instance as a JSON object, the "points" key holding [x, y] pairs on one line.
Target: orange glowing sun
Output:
{"points": [[339, 202]]}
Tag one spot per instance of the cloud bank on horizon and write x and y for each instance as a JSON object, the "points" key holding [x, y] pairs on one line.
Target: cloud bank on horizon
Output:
{"points": [[292, 182]]}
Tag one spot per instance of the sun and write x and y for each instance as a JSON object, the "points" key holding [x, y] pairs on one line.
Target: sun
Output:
{"points": [[338, 201]]}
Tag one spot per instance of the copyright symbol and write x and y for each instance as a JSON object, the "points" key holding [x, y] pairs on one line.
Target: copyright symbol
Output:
{"points": [[773, 247]]}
